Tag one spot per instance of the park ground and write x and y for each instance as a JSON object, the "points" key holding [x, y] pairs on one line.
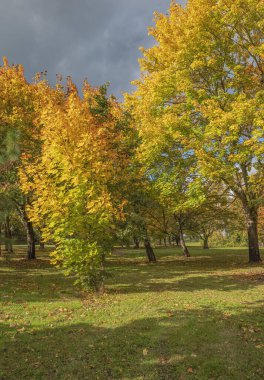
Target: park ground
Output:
{"points": [[198, 318]]}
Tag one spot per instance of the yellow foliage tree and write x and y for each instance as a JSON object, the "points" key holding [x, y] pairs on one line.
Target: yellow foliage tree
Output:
{"points": [[76, 179], [201, 92], [19, 138]]}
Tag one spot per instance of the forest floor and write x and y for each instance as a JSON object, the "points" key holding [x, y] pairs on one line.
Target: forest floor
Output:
{"points": [[198, 318]]}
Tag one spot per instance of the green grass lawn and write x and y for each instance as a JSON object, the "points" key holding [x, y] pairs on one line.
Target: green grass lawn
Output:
{"points": [[197, 318]]}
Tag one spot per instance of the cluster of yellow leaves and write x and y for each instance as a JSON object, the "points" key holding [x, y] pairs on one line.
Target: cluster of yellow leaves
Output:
{"points": [[16, 113], [71, 157], [75, 178], [202, 88]]}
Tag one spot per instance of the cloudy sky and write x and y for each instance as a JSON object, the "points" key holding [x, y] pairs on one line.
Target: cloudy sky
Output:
{"points": [[93, 39]]}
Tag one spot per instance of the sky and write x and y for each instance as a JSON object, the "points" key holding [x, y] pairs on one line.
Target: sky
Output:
{"points": [[94, 39]]}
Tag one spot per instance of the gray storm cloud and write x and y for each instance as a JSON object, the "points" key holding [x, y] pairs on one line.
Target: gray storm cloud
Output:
{"points": [[93, 39]]}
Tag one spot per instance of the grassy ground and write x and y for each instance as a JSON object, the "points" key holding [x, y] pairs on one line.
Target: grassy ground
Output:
{"points": [[197, 318]]}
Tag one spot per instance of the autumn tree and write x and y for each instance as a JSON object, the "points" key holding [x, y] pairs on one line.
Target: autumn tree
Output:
{"points": [[202, 85], [168, 168], [19, 139], [83, 162]]}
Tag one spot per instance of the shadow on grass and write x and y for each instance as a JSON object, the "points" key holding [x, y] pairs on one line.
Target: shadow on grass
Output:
{"points": [[195, 283], [223, 272], [38, 280], [33, 281], [198, 344], [207, 260]]}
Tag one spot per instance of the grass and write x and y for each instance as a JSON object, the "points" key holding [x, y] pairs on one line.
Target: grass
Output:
{"points": [[198, 318]]}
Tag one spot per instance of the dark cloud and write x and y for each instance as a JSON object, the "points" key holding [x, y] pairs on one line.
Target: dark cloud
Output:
{"points": [[93, 39]]}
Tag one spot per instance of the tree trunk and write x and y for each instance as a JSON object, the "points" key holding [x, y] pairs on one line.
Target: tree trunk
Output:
{"points": [[8, 235], [149, 251], [179, 220], [205, 242], [31, 251], [165, 242], [41, 245], [183, 245], [252, 230], [136, 242], [177, 240], [182, 241]]}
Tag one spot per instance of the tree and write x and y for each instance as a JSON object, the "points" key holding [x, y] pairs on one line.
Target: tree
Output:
{"points": [[168, 168], [74, 182], [19, 138], [202, 85], [216, 213]]}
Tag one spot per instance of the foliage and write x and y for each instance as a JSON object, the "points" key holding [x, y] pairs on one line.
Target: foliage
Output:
{"points": [[201, 93], [189, 143], [75, 180], [19, 139]]}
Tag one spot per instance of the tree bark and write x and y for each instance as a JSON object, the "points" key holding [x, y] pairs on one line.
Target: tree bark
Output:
{"points": [[251, 213], [205, 242], [183, 245], [177, 240], [31, 250], [149, 251], [252, 230], [185, 250]]}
